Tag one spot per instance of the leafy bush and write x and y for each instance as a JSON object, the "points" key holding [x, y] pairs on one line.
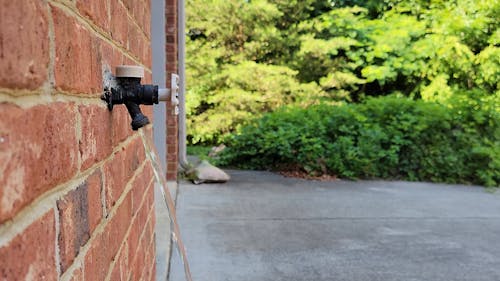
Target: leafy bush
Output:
{"points": [[387, 137]]}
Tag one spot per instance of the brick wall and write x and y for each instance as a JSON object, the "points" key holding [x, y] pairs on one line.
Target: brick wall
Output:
{"points": [[76, 190], [171, 67]]}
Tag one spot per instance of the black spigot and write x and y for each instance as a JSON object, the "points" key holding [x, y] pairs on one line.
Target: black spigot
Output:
{"points": [[129, 91]]}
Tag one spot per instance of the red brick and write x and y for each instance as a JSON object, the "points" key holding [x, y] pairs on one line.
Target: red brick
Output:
{"points": [[80, 211], [171, 58], [139, 14], [148, 131], [172, 149], [148, 78], [77, 275], [105, 247], [97, 259], [149, 229], [129, 4], [139, 225], [140, 186], [146, 24], [74, 224], [110, 57], [138, 266], [94, 187], [148, 111], [133, 239], [172, 172], [38, 150], [96, 11], [121, 168], [119, 22], [137, 228], [77, 66], [31, 254], [170, 39], [171, 10], [121, 124], [171, 19], [148, 55], [116, 176], [170, 48], [149, 262], [135, 39], [153, 273], [171, 121], [129, 61], [24, 48], [172, 141], [118, 225], [96, 140], [171, 157], [136, 10], [121, 267]]}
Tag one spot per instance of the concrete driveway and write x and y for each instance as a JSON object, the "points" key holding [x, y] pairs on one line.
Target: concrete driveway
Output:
{"points": [[262, 226]]}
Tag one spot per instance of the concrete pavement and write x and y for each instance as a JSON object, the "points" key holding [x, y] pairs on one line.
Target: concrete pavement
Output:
{"points": [[262, 226]]}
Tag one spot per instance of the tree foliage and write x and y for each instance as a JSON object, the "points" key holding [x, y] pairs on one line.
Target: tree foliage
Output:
{"points": [[238, 54], [246, 57]]}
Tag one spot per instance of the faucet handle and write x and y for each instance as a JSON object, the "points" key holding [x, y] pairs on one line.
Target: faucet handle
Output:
{"points": [[129, 71]]}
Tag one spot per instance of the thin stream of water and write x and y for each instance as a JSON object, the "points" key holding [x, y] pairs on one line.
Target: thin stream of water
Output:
{"points": [[152, 155]]}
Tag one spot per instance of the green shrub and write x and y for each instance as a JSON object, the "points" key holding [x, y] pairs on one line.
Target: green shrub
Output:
{"points": [[387, 137]]}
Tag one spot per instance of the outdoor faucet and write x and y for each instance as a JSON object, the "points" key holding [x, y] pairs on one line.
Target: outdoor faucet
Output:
{"points": [[129, 91]]}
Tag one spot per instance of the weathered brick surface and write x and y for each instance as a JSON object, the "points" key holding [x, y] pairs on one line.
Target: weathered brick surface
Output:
{"points": [[31, 254], [139, 222], [150, 262], [121, 124], [135, 40], [96, 137], [105, 247], [119, 24], [38, 150], [121, 168], [95, 208], [46, 148], [97, 259], [96, 11], [139, 187], [148, 111], [77, 275], [74, 224], [146, 24], [121, 268], [120, 223], [138, 267], [110, 56], [80, 211], [140, 233], [24, 44], [77, 63]]}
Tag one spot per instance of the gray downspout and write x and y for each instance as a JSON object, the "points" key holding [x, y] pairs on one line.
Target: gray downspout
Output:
{"points": [[182, 87], [204, 172]]}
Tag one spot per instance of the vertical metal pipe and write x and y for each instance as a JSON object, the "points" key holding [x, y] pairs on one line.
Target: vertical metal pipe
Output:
{"points": [[159, 76]]}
